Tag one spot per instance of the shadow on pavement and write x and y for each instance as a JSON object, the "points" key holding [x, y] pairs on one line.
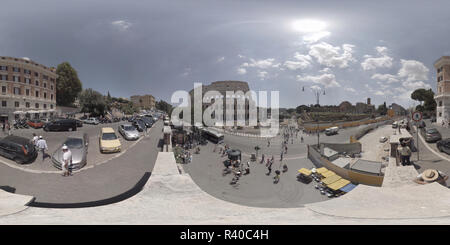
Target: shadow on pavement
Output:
{"points": [[131, 192]]}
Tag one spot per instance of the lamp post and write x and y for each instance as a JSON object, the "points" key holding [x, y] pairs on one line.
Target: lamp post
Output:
{"points": [[317, 93]]}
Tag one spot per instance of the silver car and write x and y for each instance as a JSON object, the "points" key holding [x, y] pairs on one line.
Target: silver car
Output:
{"points": [[78, 145], [129, 132]]}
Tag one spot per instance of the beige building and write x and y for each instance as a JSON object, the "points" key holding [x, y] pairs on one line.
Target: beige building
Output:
{"points": [[28, 89], [144, 102], [222, 87], [442, 96]]}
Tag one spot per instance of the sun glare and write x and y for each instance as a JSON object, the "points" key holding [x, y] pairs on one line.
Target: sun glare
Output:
{"points": [[308, 25]]}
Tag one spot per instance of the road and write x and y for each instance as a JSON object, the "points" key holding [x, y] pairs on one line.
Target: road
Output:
{"points": [[257, 189], [100, 182]]}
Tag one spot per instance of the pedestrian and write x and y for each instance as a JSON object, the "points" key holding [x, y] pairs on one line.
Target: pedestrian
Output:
{"points": [[3, 126], [8, 128], [42, 146], [285, 149], [247, 168], [268, 143], [67, 161], [301, 139], [405, 153], [281, 156], [35, 139], [190, 157], [262, 158], [269, 168], [277, 177]]}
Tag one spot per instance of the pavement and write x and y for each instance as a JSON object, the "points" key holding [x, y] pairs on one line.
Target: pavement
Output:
{"points": [[173, 198], [99, 182]]}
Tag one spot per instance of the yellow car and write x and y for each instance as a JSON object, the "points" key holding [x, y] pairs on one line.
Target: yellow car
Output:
{"points": [[109, 142]]}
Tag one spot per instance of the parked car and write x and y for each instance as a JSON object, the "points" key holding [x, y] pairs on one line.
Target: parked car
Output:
{"points": [[139, 125], [108, 141], [46, 120], [148, 121], [79, 123], [444, 145], [61, 125], [91, 120], [128, 131], [432, 135], [395, 125], [383, 139], [78, 145], [35, 123], [17, 148]]}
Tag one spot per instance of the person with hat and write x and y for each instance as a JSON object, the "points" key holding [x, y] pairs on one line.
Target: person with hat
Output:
{"points": [[405, 153], [35, 139], [429, 176], [67, 161], [42, 146]]}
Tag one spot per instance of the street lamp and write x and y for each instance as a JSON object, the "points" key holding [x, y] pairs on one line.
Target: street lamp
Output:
{"points": [[317, 93]]}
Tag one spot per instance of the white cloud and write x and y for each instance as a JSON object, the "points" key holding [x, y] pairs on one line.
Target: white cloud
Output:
{"points": [[261, 64], [379, 93], [325, 70], [241, 71], [241, 56], [220, 59], [315, 87], [385, 77], [332, 56], [415, 85], [413, 70], [315, 37], [121, 25], [294, 65], [328, 80], [371, 63], [186, 72], [262, 74], [350, 90]]}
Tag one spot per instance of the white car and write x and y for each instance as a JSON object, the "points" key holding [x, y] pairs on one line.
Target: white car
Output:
{"points": [[383, 139], [91, 120]]}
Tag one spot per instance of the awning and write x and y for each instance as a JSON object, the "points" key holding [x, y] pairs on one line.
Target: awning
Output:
{"points": [[321, 170], [18, 112], [330, 180], [339, 184], [328, 174], [305, 171], [348, 187]]}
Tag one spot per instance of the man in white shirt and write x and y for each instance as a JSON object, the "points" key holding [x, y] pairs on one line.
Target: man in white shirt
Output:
{"points": [[42, 146], [67, 161], [35, 139]]}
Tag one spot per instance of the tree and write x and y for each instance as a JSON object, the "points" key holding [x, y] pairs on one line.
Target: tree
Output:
{"points": [[382, 109], [164, 106], [92, 102], [68, 85], [425, 96]]}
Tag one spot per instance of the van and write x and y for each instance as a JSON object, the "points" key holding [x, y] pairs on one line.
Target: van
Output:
{"points": [[331, 131]]}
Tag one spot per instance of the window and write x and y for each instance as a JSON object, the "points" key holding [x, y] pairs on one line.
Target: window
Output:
{"points": [[51, 87], [27, 91], [45, 85], [27, 80], [51, 96], [37, 83], [37, 93], [51, 106], [36, 74], [17, 91], [45, 95], [45, 106], [36, 105], [440, 114], [16, 104], [16, 69], [3, 68], [16, 78], [27, 104], [3, 89], [26, 71], [4, 103], [4, 77], [440, 103], [45, 77]]}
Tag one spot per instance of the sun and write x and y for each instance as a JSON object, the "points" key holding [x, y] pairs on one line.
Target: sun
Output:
{"points": [[308, 25]]}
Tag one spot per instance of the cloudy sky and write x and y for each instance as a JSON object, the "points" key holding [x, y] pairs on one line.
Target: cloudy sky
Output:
{"points": [[351, 49]]}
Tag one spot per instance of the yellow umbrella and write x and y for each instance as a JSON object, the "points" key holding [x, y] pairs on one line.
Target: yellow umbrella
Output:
{"points": [[305, 171], [331, 179], [328, 174], [321, 170], [338, 184]]}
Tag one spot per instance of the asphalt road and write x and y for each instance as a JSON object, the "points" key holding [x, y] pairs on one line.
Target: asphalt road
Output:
{"points": [[257, 189], [100, 182]]}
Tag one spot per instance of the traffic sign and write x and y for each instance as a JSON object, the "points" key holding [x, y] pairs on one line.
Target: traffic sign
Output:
{"points": [[417, 116]]}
